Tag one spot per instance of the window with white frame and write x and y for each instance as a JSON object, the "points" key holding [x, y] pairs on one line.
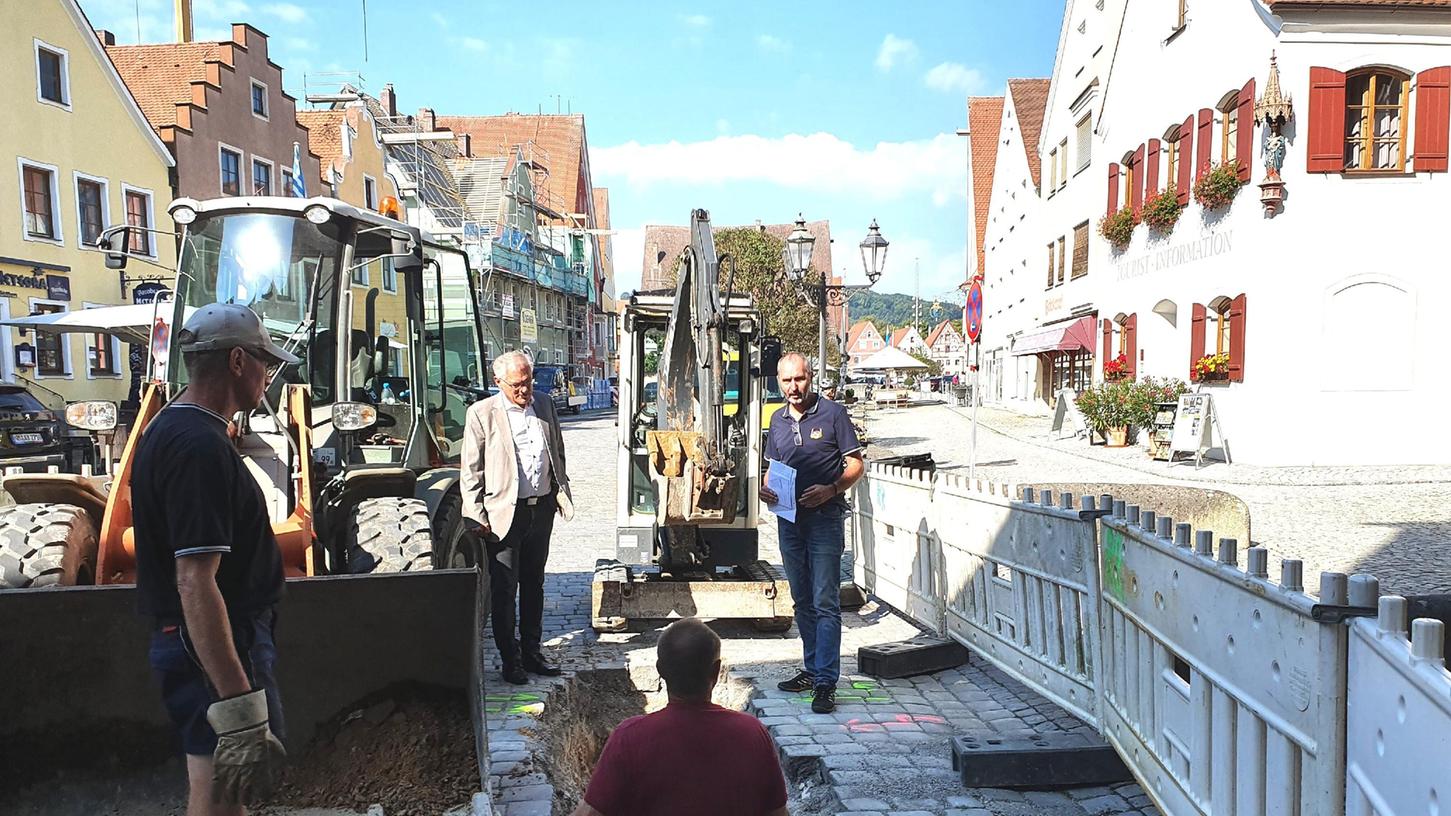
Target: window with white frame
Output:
{"points": [[52, 73], [360, 275], [1063, 164], [138, 214], [90, 208], [1052, 172], [1084, 134], [230, 166], [287, 181], [103, 352], [40, 194], [259, 99], [370, 193], [261, 177], [52, 352]]}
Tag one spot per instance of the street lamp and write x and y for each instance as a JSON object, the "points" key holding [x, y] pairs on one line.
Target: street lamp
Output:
{"points": [[799, 244]]}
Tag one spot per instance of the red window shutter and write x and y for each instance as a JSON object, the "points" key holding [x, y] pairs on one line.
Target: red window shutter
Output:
{"points": [[1136, 195], [1186, 161], [1131, 344], [1244, 143], [1112, 188], [1151, 169], [1326, 150], [1433, 118], [1236, 339], [1196, 336], [1107, 340], [1206, 143]]}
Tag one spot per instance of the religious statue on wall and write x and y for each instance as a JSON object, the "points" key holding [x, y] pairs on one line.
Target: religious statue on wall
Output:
{"points": [[1274, 109]]}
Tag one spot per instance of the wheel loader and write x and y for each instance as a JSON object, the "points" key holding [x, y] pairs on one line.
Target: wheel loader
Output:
{"points": [[694, 366], [355, 448]]}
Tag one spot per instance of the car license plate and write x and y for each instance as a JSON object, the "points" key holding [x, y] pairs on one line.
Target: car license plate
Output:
{"points": [[27, 438]]}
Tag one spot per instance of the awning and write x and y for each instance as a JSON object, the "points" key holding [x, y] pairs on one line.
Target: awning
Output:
{"points": [[1074, 336]]}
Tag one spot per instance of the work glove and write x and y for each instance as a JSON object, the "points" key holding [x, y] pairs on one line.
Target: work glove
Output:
{"points": [[248, 758]]}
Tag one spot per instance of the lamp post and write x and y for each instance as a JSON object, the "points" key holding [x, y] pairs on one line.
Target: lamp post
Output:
{"points": [[798, 260]]}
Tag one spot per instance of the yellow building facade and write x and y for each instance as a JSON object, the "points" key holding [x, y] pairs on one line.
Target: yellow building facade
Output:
{"points": [[81, 158]]}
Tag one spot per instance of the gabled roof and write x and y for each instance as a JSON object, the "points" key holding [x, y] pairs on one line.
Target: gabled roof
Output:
{"points": [[984, 121], [425, 164], [937, 332], [160, 75], [900, 336], [856, 331], [324, 138], [561, 137], [1030, 100]]}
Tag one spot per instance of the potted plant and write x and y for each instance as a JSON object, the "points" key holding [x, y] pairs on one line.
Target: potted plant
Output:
{"points": [[1217, 187], [1211, 367], [1116, 369], [1118, 227], [1162, 211], [1113, 410]]}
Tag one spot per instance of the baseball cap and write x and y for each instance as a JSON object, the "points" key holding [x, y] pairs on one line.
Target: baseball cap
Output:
{"points": [[220, 326]]}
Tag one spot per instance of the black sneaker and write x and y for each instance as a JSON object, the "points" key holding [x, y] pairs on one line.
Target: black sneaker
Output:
{"points": [[824, 700], [801, 682]]}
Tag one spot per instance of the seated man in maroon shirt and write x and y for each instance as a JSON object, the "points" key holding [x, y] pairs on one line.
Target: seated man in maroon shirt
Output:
{"points": [[692, 757]]}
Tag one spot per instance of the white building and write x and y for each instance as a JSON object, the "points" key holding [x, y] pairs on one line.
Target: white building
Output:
{"points": [[862, 341], [1345, 281], [910, 340], [947, 348], [1012, 281]]}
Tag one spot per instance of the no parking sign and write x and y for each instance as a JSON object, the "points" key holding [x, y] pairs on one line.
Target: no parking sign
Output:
{"points": [[972, 313]]}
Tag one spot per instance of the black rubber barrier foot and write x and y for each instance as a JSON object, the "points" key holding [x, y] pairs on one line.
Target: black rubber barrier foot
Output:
{"points": [[1039, 761], [923, 654]]}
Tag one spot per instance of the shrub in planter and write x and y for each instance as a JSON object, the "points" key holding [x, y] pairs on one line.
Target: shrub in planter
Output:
{"points": [[1109, 405], [1219, 186], [1162, 211], [1118, 228], [1167, 389]]}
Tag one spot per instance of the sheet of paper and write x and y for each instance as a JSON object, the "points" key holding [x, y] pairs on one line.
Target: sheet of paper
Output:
{"points": [[781, 479]]}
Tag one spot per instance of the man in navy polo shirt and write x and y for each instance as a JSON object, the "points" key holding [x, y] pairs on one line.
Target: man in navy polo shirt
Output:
{"points": [[814, 436]]}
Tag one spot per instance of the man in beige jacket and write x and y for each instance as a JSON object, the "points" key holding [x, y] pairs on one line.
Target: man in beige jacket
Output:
{"points": [[514, 482]]}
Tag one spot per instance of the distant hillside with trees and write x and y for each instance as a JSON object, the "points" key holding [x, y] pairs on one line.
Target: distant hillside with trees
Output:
{"points": [[889, 310]]}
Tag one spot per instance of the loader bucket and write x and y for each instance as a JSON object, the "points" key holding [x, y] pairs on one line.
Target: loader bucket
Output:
{"points": [[77, 676]]}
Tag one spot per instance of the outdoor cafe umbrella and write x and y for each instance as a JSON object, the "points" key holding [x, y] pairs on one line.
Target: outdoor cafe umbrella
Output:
{"points": [[889, 359], [131, 323]]}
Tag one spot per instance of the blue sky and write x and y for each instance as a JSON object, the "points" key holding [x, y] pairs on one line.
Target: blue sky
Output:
{"points": [[844, 111]]}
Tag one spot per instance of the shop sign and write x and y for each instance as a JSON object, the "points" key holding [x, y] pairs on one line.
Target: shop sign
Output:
{"points": [[528, 327], [56, 287], [1176, 255]]}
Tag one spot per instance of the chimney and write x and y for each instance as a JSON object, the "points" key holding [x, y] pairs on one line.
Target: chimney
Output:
{"points": [[106, 37], [466, 145], [427, 120], [183, 21], [388, 100]]}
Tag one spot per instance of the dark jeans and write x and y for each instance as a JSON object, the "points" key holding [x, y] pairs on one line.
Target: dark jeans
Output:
{"points": [[811, 550], [516, 568], [186, 691]]}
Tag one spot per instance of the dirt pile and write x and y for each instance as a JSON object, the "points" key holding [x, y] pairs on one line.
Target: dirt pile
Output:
{"points": [[409, 748]]}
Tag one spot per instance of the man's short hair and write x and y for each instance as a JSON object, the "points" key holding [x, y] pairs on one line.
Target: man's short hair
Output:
{"points": [[511, 359], [686, 657], [796, 355], [202, 366]]}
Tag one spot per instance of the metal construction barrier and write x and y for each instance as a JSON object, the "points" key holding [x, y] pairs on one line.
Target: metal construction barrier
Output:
{"points": [[1219, 688], [1226, 693], [1398, 732]]}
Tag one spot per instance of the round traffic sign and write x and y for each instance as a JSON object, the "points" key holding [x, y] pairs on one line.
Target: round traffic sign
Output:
{"points": [[972, 315]]}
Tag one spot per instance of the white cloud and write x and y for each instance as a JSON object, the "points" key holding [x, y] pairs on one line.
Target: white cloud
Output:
{"points": [[895, 51], [695, 21], [441, 20], [286, 12], [954, 77], [298, 44], [772, 44], [473, 44], [817, 162]]}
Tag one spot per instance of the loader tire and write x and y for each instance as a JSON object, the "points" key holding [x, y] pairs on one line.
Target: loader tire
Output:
{"points": [[454, 547], [46, 545], [390, 535]]}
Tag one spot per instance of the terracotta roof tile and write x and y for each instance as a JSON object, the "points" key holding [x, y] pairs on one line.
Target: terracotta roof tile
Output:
{"points": [[1030, 100], [855, 333], [898, 336], [160, 76], [984, 120], [937, 332], [324, 138], [561, 137]]}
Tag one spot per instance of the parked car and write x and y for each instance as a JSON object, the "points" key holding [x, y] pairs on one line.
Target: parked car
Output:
{"points": [[32, 436]]}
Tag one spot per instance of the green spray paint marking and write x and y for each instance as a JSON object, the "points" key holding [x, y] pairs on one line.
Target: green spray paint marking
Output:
{"points": [[868, 694], [519, 703], [1113, 564]]}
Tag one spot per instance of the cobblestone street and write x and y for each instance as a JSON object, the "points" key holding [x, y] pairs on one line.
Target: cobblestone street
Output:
{"points": [[1392, 522], [886, 749]]}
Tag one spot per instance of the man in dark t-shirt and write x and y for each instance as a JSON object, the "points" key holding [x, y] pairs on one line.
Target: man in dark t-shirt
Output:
{"points": [[208, 570], [692, 757], [814, 436]]}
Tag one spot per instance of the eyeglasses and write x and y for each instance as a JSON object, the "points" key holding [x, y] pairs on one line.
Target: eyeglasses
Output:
{"points": [[517, 386], [269, 365]]}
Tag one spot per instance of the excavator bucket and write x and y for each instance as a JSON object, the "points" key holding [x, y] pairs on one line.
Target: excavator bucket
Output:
{"points": [[75, 664]]}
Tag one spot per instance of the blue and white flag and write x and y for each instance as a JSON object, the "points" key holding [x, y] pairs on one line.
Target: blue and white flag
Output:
{"points": [[299, 190]]}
